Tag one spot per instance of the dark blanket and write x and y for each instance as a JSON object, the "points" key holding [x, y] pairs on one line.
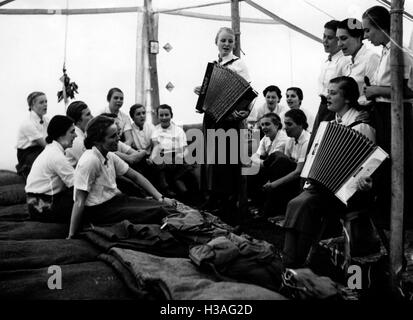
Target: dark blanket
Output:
{"points": [[17, 212], [90, 280], [26, 230], [142, 237], [17, 254]]}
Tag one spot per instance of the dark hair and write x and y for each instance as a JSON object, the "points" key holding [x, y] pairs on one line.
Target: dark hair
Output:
{"points": [[379, 17], [332, 25], [275, 119], [298, 92], [298, 116], [271, 89], [229, 30], [349, 88], [74, 110], [165, 106], [109, 115], [58, 127], [32, 96], [353, 26], [111, 92], [96, 130], [134, 108]]}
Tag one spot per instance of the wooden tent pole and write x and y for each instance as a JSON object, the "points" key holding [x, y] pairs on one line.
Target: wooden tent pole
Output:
{"points": [[397, 143], [153, 71], [235, 23]]}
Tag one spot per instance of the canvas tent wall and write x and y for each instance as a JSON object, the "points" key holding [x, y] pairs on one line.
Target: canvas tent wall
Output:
{"points": [[101, 53]]}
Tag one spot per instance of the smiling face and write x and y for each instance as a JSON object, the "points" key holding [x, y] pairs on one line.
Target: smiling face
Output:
{"points": [[272, 99], [330, 41], [335, 99], [225, 43], [292, 99], [116, 102], [348, 44], [373, 34], [67, 140], [110, 141], [268, 127], [139, 117], [40, 105], [165, 117]]}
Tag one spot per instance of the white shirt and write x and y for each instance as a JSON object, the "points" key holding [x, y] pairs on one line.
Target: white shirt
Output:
{"points": [[142, 138], [382, 77], [365, 63], [350, 117], [30, 130], [124, 120], [259, 111], [97, 175], [51, 172], [74, 153], [169, 139], [331, 69], [296, 150], [237, 66], [267, 146], [310, 115], [123, 147]]}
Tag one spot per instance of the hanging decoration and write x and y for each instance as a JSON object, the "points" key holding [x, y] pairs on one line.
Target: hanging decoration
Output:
{"points": [[69, 88], [169, 86], [167, 47]]}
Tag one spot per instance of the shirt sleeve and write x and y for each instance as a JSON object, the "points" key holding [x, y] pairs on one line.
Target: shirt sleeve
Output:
{"points": [[367, 130], [127, 125], [86, 172], [372, 65], [121, 167], [240, 68], [31, 132], [64, 170], [303, 152]]}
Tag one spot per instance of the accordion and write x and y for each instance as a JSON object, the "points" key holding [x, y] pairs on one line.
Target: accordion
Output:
{"points": [[339, 156], [222, 92]]}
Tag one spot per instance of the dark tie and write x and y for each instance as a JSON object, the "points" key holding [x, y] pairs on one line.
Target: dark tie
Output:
{"points": [[329, 57]]}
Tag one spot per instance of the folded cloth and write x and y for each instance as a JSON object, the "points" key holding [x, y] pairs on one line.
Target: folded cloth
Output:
{"points": [[82, 281], [179, 279], [18, 254], [143, 237], [17, 212], [10, 230]]}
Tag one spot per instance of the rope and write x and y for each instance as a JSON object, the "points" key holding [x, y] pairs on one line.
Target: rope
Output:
{"points": [[66, 29], [317, 8]]}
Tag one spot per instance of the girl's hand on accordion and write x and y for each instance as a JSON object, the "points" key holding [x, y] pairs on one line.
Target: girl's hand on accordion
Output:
{"points": [[239, 115], [364, 183]]}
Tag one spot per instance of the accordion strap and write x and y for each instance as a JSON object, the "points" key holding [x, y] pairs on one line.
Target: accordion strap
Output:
{"points": [[355, 123], [228, 62]]}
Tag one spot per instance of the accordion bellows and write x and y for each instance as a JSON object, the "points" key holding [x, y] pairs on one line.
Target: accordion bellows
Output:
{"points": [[339, 156], [223, 91]]}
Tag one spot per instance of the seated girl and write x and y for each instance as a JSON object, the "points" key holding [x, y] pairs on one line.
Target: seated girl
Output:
{"points": [[169, 152], [273, 141], [49, 185], [32, 133], [97, 198], [283, 169]]}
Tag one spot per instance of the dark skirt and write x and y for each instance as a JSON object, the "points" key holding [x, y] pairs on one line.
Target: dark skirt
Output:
{"points": [[25, 159], [46, 208], [123, 207], [221, 178]]}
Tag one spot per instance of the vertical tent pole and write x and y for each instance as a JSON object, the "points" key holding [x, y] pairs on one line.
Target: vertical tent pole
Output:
{"points": [[235, 24], [397, 143], [153, 72]]}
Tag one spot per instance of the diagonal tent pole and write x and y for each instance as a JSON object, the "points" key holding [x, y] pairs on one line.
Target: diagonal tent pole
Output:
{"points": [[281, 20], [397, 144], [3, 3]]}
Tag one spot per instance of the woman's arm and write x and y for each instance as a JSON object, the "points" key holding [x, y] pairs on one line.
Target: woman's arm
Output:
{"points": [[287, 178], [128, 137], [77, 212], [148, 187]]}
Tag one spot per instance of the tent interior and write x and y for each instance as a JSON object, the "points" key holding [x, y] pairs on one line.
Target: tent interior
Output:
{"points": [[100, 51]]}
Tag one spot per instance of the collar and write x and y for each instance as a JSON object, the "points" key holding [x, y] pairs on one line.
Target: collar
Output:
{"points": [[102, 159], [137, 127], [386, 48], [227, 58], [57, 145], [301, 138], [347, 117], [335, 56], [34, 116], [79, 132], [359, 53]]}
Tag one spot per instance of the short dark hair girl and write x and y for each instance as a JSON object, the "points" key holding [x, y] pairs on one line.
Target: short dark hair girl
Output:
{"points": [[298, 116], [96, 130], [353, 26], [58, 127], [272, 89], [379, 17], [111, 92]]}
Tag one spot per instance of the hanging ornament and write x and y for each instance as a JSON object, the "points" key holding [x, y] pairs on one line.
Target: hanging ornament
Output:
{"points": [[167, 47], [169, 86], [69, 88]]}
